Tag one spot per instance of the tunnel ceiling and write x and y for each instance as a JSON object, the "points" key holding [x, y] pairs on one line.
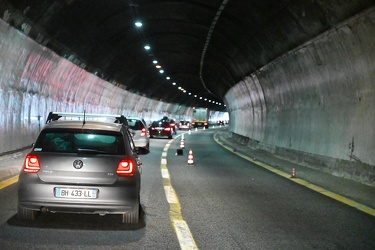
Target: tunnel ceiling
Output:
{"points": [[205, 46]]}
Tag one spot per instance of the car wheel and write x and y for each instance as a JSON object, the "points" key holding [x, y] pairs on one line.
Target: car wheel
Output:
{"points": [[131, 217], [26, 214], [170, 137]]}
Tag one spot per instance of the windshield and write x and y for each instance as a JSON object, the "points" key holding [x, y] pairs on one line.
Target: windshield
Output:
{"points": [[81, 141]]}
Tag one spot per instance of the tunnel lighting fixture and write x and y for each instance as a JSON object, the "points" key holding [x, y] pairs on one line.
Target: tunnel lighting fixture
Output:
{"points": [[168, 78], [154, 62], [200, 98], [189, 93], [179, 87], [158, 66], [161, 71], [173, 83], [147, 47], [195, 95], [138, 24], [184, 91]]}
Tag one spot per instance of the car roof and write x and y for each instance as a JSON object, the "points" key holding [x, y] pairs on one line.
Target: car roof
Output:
{"points": [[94, 125]]}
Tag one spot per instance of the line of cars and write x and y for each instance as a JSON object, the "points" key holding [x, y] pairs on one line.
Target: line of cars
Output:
{"points": [[88, 166]]}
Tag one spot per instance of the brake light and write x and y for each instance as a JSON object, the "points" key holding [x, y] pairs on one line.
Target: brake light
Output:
{"points": [[167, 129], [126, 168], [152, 128], [143, 132], [31, 164]]}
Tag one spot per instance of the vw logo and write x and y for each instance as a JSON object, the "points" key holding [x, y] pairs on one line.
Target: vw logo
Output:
{"points": [[77, 164]]}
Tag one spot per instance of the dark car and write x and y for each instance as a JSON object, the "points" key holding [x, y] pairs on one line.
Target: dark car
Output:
{"points": [[81, 166], [220, 123], [161, 128]]}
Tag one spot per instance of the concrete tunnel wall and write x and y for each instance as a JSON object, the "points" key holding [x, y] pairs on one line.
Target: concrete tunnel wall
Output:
{"points": [[314, 103], [35, 81]]}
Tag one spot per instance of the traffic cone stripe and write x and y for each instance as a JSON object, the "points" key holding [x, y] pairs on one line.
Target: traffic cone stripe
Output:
{"points": [[190, 158]]}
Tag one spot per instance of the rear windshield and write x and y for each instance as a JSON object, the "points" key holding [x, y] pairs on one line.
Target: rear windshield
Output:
{"points": [[160, 124], [135, 124], [80, 141]]}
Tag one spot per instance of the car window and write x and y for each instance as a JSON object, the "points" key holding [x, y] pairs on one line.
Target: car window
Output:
{"points": [[135, 124], [81, 141]]}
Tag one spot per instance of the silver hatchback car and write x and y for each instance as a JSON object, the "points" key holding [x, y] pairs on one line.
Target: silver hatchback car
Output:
{"points": [[81, 166], [141, 136]]}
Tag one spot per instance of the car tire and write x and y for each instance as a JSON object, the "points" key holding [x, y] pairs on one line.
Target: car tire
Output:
{"points": [[26, 214], [131, 217]]}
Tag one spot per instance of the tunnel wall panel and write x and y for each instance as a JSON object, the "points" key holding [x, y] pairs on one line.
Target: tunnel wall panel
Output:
{"points": [[317, 99], [35, 81]]}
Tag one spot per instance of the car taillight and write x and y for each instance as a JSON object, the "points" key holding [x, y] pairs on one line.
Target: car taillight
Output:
{"points": [[126, 168], [31, 164], [167, 129], [152, 128], [143, 132]]}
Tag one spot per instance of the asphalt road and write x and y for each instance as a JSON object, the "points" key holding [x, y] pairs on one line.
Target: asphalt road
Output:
{"points": [[221, 201]]}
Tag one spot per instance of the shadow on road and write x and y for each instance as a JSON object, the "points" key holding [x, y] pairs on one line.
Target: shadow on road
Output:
{"points": [[78, 222]]}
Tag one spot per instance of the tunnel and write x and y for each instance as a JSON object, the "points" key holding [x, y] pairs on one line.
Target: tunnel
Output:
{"points": [[296, 78]]}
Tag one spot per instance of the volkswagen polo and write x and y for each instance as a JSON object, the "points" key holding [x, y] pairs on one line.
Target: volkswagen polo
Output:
{"points": [[81, 166]]}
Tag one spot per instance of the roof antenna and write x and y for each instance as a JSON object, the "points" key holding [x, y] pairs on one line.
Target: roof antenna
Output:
{"points": [[84, 117]]}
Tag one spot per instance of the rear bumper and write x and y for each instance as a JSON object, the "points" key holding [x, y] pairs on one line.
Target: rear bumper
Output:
{"points": [[111, 199], [160, 134], [141, 143]]}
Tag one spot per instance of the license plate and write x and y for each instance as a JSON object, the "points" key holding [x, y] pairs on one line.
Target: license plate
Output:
{"points": [[78, 193]]}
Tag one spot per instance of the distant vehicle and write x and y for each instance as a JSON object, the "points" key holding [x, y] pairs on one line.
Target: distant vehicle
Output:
{"points": [[161, 128], [184, 125], [220, 123], [141, 136], [81, 166], [200, 118]]}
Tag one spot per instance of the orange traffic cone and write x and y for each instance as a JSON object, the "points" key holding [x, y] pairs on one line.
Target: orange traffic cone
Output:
{"points": [[190, 158], [294, 174]]}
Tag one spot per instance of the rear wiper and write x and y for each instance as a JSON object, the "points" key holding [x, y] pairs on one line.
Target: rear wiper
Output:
{"points": [[91, 151]]}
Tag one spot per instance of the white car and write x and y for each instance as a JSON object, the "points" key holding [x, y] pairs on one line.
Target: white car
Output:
{"points": [[140, 133]]}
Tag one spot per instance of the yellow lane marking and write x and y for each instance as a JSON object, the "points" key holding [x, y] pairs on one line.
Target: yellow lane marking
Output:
{"points": [[340, 198], [180, 226], [8, 182]]}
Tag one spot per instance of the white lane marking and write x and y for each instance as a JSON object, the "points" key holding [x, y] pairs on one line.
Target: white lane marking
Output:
{"points": [[171, 195], [165, 173], [184, 235]]}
